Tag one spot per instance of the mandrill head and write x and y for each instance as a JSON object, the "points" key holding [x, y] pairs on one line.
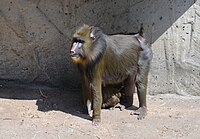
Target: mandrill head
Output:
{"points": [[86, 44]]}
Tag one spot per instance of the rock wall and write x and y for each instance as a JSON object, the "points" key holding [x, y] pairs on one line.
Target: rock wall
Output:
{"points": [[35, 37], [176, 63]]}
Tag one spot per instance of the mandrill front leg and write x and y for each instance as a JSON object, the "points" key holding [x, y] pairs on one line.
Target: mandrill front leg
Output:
{"points": [[87, 98], [97, 100]]}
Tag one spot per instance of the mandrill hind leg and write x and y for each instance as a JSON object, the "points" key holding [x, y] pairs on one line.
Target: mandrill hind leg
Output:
{"points": [[141, 84], [128, 91], [142, 79], [144, 61]]}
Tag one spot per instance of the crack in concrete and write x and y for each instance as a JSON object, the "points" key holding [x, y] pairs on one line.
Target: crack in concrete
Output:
{"points": [[18, 33], [48, 19]]}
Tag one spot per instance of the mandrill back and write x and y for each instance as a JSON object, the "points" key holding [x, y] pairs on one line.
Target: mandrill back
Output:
{"points": [[120, 58]]}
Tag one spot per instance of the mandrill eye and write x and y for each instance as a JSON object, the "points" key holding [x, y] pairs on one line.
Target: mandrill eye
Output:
{"points": [[79, 45], [78, 42]]}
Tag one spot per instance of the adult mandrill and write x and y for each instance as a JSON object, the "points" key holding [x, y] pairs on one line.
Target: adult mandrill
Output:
{"points": [[111, 60]]}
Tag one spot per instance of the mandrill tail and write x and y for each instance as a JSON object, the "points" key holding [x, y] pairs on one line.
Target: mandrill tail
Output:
{"points": [[141, 31]]}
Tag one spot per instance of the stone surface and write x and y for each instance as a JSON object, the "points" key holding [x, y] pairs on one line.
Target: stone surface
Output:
{"points": [[35, 39]]}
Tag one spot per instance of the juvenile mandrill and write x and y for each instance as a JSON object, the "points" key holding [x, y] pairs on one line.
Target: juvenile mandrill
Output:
{"points": [[105, 60], [112, 96]]}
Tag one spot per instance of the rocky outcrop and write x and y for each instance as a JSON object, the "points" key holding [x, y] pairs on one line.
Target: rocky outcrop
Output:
{"points": [[35, 38]]}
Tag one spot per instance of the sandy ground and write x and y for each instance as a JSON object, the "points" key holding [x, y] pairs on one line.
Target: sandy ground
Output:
{"points": [[58, 114]]}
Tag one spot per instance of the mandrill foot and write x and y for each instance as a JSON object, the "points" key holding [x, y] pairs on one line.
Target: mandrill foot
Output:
{"points": [[141, 112], [96, 122]]}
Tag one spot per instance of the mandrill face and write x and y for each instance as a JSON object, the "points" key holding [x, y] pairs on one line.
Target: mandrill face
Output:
{"points": [[82, 41], [76, 51]]}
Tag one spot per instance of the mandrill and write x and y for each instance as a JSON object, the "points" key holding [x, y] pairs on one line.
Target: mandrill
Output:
{"points": [[118, 61]]}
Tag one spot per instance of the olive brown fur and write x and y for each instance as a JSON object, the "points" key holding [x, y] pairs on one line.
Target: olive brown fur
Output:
{"points": [[105, 60]]}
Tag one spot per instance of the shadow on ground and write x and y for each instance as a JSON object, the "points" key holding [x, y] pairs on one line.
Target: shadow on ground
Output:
{"points": [[49, 99]]}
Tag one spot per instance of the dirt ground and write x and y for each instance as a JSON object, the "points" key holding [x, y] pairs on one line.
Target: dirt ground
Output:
{"points": [[27, 113]]}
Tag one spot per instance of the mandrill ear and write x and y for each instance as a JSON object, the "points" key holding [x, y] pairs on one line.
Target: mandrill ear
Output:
{"points": [[95, 33], [92, 32]]}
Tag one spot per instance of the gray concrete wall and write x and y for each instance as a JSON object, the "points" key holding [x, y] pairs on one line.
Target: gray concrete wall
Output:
{"points": [[35, 39], [176, 63]]}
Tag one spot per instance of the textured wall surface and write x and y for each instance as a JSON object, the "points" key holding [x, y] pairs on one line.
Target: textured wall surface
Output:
{"points": [[35, 39], [176, 63]]}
